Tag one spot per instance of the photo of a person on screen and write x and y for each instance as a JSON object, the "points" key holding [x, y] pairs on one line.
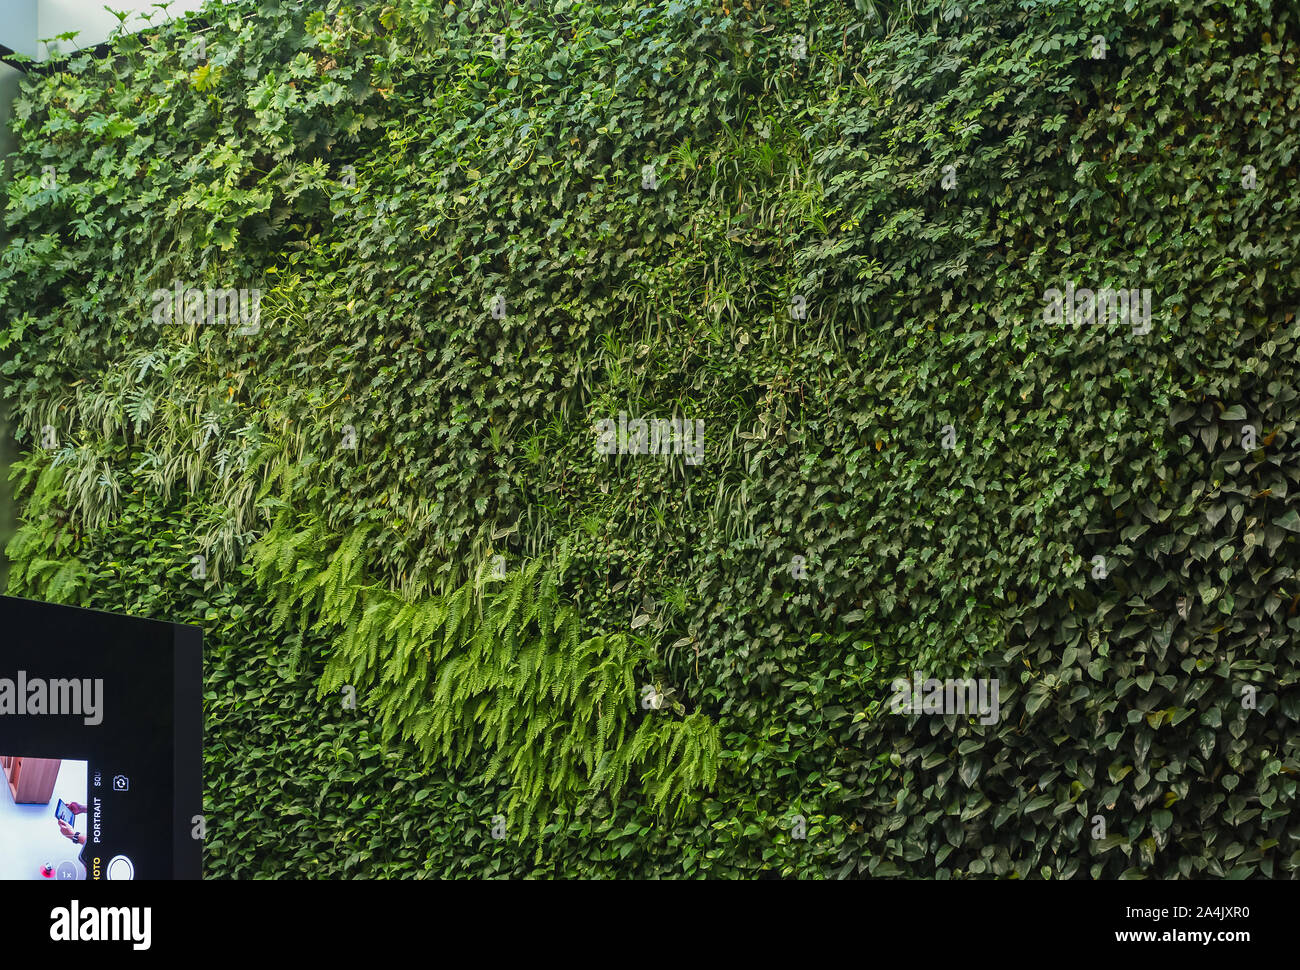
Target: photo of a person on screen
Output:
{"points": [[68, 831], [77, 838], [42, 801]]}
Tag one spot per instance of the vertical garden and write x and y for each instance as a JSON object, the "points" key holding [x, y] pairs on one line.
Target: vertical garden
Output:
{"points": [[569, 421]]}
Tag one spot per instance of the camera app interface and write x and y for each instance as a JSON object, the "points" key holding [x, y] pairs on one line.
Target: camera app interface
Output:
{"points": [[99, 746]]}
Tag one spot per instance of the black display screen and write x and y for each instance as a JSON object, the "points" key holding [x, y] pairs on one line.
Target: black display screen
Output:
{"points": [[103, 713]]}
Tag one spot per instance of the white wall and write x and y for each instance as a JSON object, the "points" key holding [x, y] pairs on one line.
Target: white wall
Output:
{"points": [[24, 23], [18, 25], [94, 23]]}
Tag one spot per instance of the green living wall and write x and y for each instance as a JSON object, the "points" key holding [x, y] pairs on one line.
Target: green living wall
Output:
{"points": [[826, 237]]}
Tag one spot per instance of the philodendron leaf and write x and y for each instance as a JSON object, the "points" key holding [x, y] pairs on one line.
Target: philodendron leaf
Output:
{"points": [[1290, 521]]}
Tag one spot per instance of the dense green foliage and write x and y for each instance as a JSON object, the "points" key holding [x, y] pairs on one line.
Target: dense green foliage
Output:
{"points": [[824, 230]]}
